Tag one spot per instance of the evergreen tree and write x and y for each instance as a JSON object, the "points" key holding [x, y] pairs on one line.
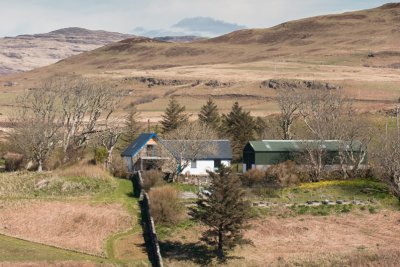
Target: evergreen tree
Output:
{"points": [[132, 126], [209, 114], [225, 212], [240, 126], [174, 116]]}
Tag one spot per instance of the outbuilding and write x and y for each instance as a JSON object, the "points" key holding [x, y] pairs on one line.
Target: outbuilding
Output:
{"points": [[264, 153]]}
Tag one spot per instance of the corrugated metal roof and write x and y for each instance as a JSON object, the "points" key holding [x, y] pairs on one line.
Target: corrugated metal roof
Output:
{"points": [[300, 145], [137, 144], [218, 149]]}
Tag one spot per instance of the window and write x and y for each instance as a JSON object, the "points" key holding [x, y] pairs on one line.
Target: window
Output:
{"points": [[150, 151], [193, 164], [217, 164]]}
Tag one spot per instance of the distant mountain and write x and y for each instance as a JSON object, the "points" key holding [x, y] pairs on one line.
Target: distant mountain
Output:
{"points": [[197, 26], [207, 25], [348, 38], [180, 39], [26, 52]]}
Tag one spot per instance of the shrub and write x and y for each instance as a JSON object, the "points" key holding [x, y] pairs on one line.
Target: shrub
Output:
{"points": [[13, 161], [119, 168], [165, 206], [100, 155], [284, 174], [152, 178], [253, 177]]}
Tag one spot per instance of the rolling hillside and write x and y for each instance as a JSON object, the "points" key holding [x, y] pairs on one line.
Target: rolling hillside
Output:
{"points": [[357, 51], [352, 34]]}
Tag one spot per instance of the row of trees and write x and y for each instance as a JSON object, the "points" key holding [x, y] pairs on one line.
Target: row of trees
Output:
{"points": [[64, 115], [238, 125]]}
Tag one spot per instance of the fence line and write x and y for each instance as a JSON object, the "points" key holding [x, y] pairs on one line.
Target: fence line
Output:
{"points": [[149, 230]]}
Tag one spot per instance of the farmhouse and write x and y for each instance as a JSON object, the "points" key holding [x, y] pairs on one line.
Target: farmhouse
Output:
{"points": [[264, 153], [194, 157]]}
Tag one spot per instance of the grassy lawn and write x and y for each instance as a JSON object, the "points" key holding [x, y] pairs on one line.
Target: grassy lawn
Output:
{"points": [[15, 250]]}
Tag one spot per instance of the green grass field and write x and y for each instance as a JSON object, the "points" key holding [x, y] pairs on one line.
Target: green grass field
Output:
{"points": [[16, 250], [373, 194]]}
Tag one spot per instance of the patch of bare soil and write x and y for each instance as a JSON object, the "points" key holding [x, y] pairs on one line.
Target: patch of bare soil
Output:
{"points": [[78, 226]]}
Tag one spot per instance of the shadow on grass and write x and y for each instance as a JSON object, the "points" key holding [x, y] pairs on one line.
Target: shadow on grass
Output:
{"points": [[194, 252]]}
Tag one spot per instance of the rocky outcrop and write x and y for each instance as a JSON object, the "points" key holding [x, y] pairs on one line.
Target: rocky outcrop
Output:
{"points": [[297, 84], [151, 81], [216, 83]]}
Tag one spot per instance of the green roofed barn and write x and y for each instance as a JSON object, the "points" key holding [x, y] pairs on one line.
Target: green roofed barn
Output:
{"points": [[264, 153]]}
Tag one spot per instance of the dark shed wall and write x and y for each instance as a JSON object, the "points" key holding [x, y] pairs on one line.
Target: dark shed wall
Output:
{"points": [[269, 158], [248, 156]]}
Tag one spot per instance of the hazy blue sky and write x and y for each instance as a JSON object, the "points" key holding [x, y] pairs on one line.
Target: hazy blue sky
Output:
{"points": [[37, 16]]}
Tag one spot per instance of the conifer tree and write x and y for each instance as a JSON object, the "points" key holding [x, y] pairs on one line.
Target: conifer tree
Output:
{"points": [[132, 125], [225, 212], [209, 114], [240, 126], [174, 116]]}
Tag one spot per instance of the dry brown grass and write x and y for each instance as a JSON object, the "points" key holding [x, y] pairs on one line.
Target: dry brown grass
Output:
{"points": [[85, 171], [130, 247], [357, 239], [52, 264], [78, 226]]}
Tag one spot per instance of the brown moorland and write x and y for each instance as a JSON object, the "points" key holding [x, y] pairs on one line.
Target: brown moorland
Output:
{"points": [[357, 51], [356, 239]]}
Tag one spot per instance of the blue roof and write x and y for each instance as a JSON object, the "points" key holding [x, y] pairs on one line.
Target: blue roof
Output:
{"points": [[137, 144]]}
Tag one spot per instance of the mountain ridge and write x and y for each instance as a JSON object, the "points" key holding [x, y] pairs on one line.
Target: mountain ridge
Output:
{"points": [[28, 51]]}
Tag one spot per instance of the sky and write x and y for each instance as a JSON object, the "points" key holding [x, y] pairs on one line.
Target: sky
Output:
{"points": [[39, 16]]}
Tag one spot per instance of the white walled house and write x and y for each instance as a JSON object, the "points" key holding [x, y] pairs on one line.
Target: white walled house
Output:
{"points": [[219, 152], [150, 152]]}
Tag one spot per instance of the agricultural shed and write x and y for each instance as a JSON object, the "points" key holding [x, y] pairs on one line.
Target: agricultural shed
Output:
{"points": [[264, 153]]}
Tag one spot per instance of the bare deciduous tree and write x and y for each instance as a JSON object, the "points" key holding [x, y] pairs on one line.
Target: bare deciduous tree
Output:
{"points": [[321, 113], [355, 135], [188, 143], [83, 102], [388, 158], [108, 136], [36, 126], [290, 102]]}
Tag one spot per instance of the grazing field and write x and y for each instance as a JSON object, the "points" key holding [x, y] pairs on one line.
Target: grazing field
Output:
{"points": [[79, 226], [74, 209]]}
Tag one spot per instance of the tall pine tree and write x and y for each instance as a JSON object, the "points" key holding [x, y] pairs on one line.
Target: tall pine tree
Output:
{"points": [[132, 126], [225, 212], [209, 114], [174, 116], [240, 126]]}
